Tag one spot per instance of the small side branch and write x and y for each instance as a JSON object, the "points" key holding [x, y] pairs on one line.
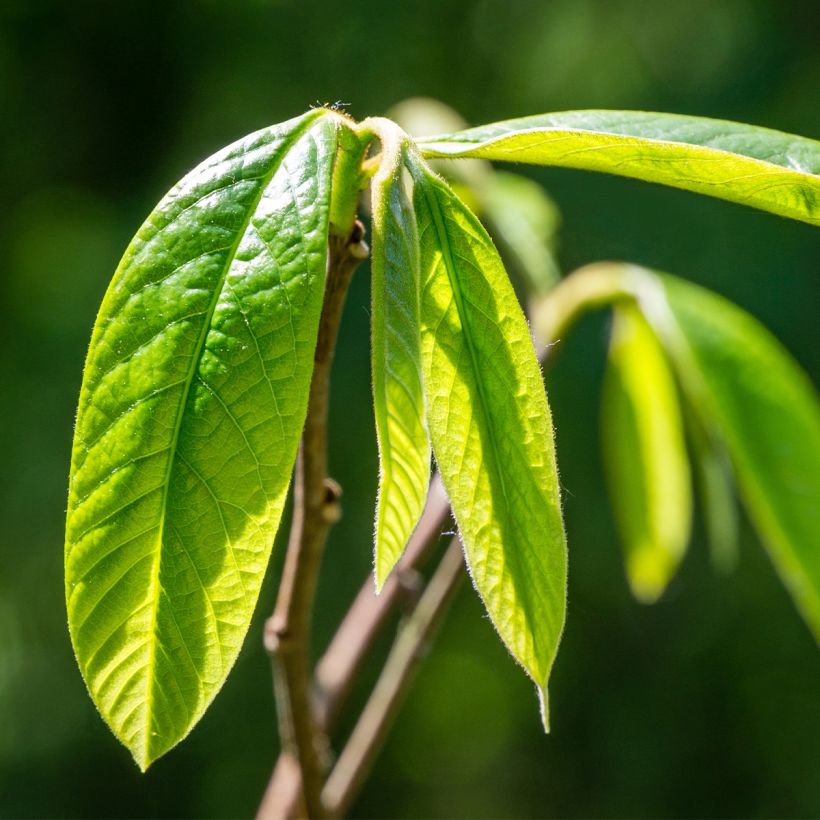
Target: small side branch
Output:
{"points": [[315, 509], [370, 732], [339, 666]]}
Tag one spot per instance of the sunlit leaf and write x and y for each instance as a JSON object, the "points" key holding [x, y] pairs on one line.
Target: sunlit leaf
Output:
{"points": [[753, 166], [767, 411], [490, 427], [192, 405], [404, 450], [645, 455]]}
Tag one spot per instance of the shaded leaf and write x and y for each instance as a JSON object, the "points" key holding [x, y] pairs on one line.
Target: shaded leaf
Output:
{"points": [[753, 166], [767, 411], [193, 401], [490, 427], [524, 220], [645, 455], [717, 493]]}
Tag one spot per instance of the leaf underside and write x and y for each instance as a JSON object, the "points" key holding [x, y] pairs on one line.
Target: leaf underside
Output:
{"points": [[645, 455], [768, 414], [193, 400], [753, 166], [490, 426], [404, 449]]}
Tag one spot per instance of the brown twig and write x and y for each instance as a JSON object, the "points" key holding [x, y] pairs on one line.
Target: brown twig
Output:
{"points": [[340, 664], [315, 509], [370, 731]]}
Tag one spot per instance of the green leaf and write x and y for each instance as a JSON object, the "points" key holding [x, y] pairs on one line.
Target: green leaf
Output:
{"points": [[490, 427], [717, 492], [753, 166], [767, 411], [524, 220], [192, 405], [645, 455], [404, 450]]}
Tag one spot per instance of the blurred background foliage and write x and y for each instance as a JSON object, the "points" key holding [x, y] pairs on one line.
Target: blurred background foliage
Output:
{"points": [[707, 703]]}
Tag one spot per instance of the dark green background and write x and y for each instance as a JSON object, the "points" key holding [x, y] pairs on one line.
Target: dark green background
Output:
{"points": [[707, 704]]}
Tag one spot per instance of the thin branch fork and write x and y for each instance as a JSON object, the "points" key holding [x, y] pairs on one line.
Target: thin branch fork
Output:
{"points": [[370, 732], [339, 665]]}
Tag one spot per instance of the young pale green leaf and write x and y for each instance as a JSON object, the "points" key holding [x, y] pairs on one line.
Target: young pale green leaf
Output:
{"points": [[768, 414], [490, 427], [192, 405], [645, 455], [404, 449], [753, 166], [524, 221]]}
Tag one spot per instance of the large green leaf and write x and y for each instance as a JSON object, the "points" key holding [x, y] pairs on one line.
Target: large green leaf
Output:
{"points": [[404, 450], [490, 427], [754, 166], [645, 455], [192, 405], [767, 411]]}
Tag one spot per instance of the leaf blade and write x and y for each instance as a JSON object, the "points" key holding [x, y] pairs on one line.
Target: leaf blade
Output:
{"points": [[490, 427], [717, 493], [768, 414], [645, 455], [192, 404], [760, 167], [524, 221], [404, 448]]}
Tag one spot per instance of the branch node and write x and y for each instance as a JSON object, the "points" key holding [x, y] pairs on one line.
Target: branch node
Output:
{"points": [[356, 246], [331, 506]]}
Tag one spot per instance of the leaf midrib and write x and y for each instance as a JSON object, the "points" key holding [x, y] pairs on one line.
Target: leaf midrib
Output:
{"points": [[470, 136], [383, 189], [449, 264], [435, 211], [429, 148], [154, 585]]}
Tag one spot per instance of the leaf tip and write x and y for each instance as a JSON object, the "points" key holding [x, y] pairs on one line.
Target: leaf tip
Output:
{"points": [[647, 580], [142, 760], [544, 707]]}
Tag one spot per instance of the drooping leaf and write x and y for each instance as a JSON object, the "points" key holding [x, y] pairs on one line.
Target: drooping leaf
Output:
{"points": [[404, 450], [768, 413], [193, 400], [718, 497], [490, 427], [753, 166], [645, 455], [524, 220]]}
